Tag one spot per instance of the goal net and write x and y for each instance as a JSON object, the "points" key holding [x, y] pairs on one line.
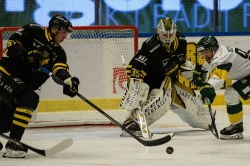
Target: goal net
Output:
{"points": [[94, 56]]}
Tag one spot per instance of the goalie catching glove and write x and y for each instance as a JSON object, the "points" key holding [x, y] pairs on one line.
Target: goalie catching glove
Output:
{"points": [[71, 86], [186, 70]]}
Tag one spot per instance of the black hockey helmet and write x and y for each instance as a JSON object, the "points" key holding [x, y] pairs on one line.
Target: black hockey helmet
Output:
{"points": [[60, 22]]}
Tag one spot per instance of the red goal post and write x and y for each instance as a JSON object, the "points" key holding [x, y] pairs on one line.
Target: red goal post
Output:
{"points": [[93, 54]]}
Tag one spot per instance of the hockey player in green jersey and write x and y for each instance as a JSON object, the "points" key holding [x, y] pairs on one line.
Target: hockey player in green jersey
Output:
{"points": [[224, 62], [28, 48]]}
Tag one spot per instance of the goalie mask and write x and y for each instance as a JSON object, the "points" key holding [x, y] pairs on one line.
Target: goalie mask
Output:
{"points": [[59, 22], [166, 30]]}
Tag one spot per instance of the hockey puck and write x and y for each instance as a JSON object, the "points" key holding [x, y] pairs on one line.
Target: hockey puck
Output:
{"points": [[169, 150]]}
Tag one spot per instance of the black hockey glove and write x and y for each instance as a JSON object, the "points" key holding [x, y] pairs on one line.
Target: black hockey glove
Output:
{"points": [[198, 75], [208, 91], [34, 57], [71, 86]]}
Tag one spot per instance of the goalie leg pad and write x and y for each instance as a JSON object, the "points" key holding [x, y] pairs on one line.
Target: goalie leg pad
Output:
{"points": [[195, 114], [157, 104], [143, 123]]}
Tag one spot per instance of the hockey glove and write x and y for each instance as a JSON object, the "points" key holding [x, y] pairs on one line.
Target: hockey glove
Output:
{"points": [[71, 86], [198, 75], [34, 57], [207, 90]]}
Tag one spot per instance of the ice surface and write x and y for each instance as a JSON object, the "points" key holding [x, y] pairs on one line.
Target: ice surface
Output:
{"points": [[102, 146]]}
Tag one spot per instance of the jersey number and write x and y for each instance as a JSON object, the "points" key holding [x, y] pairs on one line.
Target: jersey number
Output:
{"points": [[242, 53], [135, 73]]}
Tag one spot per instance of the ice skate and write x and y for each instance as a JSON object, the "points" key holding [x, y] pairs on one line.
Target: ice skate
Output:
{"points": [[14, 150], [232, 132], [131, 126]]}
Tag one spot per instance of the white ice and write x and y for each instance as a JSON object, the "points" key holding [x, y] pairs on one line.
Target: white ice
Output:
{"points": [[102, 146]]}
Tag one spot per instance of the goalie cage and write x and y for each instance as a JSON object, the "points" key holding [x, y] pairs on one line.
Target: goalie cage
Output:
{"points": [[93, 54]]}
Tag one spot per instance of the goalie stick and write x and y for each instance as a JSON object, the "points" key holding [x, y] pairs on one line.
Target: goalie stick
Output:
{"points": [[144, 142], [212, 126], [44, 152]]}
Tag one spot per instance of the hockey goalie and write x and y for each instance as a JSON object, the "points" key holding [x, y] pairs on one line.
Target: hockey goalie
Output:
{"points": [[153, 87]]}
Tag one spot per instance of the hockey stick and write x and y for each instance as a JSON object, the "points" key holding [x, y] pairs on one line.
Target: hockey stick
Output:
{"points": [[140, 114], [144, 142], [44, 152], [212, 126]]}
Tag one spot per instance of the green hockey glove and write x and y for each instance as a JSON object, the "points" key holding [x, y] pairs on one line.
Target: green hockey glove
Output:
{"points": [[207, 90], [198, 75]]}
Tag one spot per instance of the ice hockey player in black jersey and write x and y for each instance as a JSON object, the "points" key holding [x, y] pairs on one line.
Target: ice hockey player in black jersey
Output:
{"points": [[153, 86], [20, 75]]}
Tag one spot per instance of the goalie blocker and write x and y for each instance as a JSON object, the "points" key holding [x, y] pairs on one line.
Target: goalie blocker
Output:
{"points": [[173, 96]]}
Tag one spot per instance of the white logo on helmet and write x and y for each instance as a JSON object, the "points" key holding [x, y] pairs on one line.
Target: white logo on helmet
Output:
{"points": [[62, 19], [200, 48]]}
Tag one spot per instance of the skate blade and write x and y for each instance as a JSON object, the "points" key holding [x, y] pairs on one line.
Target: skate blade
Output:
{"points": [[232, 137]]}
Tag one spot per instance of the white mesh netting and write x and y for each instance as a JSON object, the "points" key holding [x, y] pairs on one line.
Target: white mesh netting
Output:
{"points": [[94, 57]]}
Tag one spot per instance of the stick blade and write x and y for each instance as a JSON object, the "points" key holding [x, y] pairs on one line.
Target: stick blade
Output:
{"points": [[159, 135], [59, 147], [157, 142], [214, 131]]}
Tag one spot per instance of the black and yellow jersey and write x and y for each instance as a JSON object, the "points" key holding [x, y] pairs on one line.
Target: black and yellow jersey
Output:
{"points": [[153, 61], [34, 35]]}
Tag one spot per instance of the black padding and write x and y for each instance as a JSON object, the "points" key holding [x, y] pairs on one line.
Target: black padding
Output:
{"points": [[6, 117], [27, 99], [9, 87]]}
